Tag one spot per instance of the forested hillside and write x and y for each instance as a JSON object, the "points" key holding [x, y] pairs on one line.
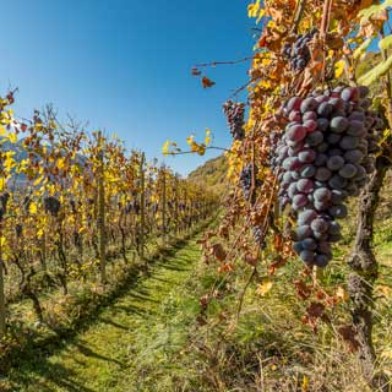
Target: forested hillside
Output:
{"points": [[212, 173]]}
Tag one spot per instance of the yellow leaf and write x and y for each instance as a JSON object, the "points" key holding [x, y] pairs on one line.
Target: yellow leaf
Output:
{"points": [[339, 68], [253, 9], [2, 241], [61, 163], [38, 181], [33, 208], [2, 184], [305, 384], [166, 148], [207, 139], [264, 287], [3, 131], [12, 137], [40, 233]]}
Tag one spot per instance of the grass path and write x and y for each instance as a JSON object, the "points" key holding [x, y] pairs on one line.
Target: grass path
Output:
{"points": [[129, 345]]}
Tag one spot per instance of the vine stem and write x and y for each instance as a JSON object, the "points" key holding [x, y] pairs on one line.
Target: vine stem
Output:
{"points": [[325, 22], [298, 15]]}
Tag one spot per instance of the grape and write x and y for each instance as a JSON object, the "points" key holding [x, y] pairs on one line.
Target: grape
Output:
{"points": [[354, 156], [52, 205], [325, 110], [348, 171], [302, 232], [308, 104], [310, 115], [334, 228], [337, 196], [235, 114], [308, 171], [337, 103], [356, 128], [322, 194], [361, 173], [320, 236], [349, 142], [308, 244], [320, 225], [295, 116], [323, 147], [314, 138], [291, 163], [294, 104], [335, 237], [324, 247], [287, 177], [298, 53], [352, 189], [310, 125], [339, 124], [322, 260], [299, 201], [305, 217], [293, 190], [321, 159], [321, 205], [335, 163], [333, 138], [297, 246], [307, 256], [296, 133], [307, 156], [334, 152], [350, 94], [322, 124], [358, 117], [338, 211], [337, 182], [245, 181], [305, 185]]}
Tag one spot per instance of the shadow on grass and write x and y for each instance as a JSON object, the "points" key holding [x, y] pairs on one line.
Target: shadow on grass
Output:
{"points": [[32, 360]]}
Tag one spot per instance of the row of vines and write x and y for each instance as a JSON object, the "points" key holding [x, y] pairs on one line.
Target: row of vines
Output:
{"points": [[316, 142], [72, 204]]}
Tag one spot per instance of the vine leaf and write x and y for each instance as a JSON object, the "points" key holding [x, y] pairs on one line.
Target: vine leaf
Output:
{"points": [[206, 82], [218, 252], [385, 43], [264, 287], [339, 68], [375, 73]]}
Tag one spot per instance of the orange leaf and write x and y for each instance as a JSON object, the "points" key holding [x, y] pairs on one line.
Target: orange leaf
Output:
{"points": [[207, 82]]}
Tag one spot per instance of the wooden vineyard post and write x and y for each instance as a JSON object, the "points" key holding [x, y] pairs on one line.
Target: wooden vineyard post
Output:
{"points": [[101, 213], [2, 290], [142, 206], [176, 225], [164, 203]]}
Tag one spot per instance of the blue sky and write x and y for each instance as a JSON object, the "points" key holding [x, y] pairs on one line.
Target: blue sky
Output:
{"points": [[124, 66]]}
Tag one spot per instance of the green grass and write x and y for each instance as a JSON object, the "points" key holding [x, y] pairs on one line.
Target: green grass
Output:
{"points": [[129, 345]]}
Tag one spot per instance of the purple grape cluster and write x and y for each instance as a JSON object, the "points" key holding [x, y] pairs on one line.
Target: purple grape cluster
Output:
{"points": [[298, 53], [52, 205], [323, 157], [246, 182], [235, 114]]}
